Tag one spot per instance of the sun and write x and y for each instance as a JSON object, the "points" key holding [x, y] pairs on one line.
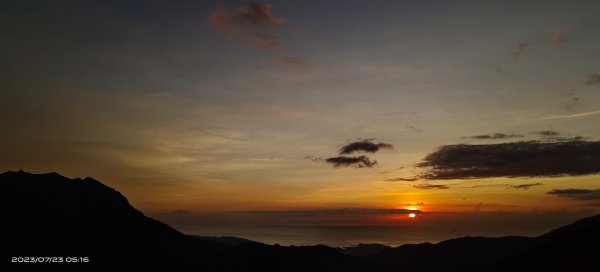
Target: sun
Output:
{"points": [[412, 215]]}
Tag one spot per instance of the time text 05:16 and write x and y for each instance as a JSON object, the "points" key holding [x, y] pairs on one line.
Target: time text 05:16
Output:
{"points": [[50, 259]]}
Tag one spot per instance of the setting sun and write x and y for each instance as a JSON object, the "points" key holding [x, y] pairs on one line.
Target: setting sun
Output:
{"points": [[412, 215]]}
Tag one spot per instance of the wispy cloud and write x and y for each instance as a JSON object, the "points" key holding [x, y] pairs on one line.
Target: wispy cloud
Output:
{"points": [[546, 133], [259, 13], [313, 158], [558, 36], [320, 212], [250, 22], [431, 186], [520, 48], [251, 13], [593, 79], [494, 136], [577, 194], [526, 186], [569, 116], [289, 62]]}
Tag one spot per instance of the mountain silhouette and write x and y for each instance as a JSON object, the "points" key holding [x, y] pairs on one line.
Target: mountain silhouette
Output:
{"points": [[49, 215]]}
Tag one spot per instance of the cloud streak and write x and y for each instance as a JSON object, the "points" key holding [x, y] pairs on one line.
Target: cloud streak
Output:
{"points": [[526, 186], [577, 194], [516, 159], [546, 133], [431, 186], [495, 136], [569, 116], [401, 179]]}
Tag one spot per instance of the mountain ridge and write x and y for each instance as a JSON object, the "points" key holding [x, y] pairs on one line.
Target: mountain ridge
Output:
{"points": [[51, 215]]}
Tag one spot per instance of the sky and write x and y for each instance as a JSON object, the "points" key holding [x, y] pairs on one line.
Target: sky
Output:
{"points": [[358, 108]]}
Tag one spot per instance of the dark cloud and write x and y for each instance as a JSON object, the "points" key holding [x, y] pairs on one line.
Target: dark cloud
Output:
{"points": [[358, 162], [577, 194], [593, 79], [495, 136], [516, 159], [364, 146], [289, 62], [247, 21], [430, 186], [401, 179], [526, 186], [546, 133]]}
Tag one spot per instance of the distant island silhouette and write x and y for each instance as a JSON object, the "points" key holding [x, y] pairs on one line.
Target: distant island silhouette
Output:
{"points": [[48, 215]]}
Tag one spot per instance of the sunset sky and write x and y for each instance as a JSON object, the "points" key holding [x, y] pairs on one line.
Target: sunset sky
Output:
{"points": [[228, 106]]}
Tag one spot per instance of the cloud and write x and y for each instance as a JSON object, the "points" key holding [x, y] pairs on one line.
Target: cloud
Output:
{"points": [[358, 162], [345, 211], [558, 36], [251, 13], [553, 136], [289, 62], [248, 21], [430, 186], [520, 48], [577, 194], [263, 41], [495, 136], [415, 129], [313, 158], [569, 116], [219, 17], [515, 159], [504, 185], [259, 13], [593, 79], [526, 186], [364, 146], [401, 179], [546, 133]]}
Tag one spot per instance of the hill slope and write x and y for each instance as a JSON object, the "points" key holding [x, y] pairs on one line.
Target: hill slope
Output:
{"points": [[49, 215]]}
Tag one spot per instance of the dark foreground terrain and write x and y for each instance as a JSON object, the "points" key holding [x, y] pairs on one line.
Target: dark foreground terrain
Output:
{"points": [[48, 215]]}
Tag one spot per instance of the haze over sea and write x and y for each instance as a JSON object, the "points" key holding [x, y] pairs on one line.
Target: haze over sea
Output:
{"points": [[391, 230]]}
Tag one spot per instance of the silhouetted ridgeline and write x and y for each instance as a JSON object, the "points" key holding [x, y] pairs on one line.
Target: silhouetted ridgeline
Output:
{"points": [[49, 215]]}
